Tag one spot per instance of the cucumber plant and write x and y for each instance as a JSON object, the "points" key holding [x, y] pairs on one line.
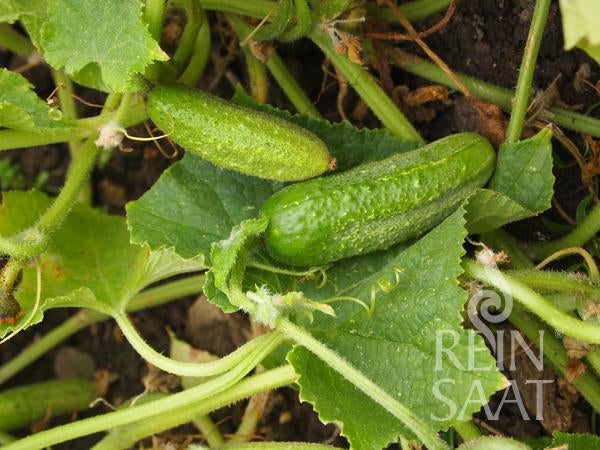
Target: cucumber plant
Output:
{"points": [[359, 270]]}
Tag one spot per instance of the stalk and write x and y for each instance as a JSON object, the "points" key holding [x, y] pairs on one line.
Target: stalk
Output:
{"points": [[153, 15], [212, 389], [523, 91], [188, 38], [149, 298], [467, 430], [197, 63], [366, 86]]}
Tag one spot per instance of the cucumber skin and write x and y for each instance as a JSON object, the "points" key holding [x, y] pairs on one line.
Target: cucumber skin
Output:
{"points": [[375, 205], [26, 404], [237, 138]]}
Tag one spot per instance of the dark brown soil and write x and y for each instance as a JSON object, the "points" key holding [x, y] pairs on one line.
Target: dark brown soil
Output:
{"points": [[484, 38]]}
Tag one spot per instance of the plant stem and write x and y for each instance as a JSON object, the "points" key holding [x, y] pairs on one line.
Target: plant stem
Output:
{"points": [[290, 87], [422, 430], [257, 75], [188, 38], [584, 331], [74, 130], [556, 281], [265, 381], [467, 430], [252, 8], [153, 16], [414, 11], [214, 389], [210, 432], [14, 41], [186, 369], [147, 299], [583, 232], [523, 91], [368, 89], [486, 91], [554, 353], [195, 68]]}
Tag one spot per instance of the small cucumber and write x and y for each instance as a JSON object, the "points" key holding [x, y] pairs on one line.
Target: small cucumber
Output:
{"points": [[376, 205], [237, 138], [23, 405]]}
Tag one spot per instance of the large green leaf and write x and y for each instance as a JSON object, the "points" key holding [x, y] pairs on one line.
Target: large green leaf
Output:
{"points": [[522, 185], [110, 36], [32, 14], [194, 204], [580, 25], [575, 441], [416, 301], [89, 263], [20, 107]]}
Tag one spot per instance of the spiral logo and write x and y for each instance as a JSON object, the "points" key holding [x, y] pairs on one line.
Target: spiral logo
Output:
{"points": [[489, 305]]}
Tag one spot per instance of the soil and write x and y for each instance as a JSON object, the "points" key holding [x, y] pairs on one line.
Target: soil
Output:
{"points": [[484, 38]]}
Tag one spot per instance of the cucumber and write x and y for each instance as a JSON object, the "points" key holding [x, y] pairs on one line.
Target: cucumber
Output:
{"points": [[237, 138], [376, 205], [23, 405]]}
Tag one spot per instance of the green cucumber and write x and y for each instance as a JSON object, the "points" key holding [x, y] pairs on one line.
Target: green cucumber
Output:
{"points": [[26, 404], [237, 138], [376, 205]]}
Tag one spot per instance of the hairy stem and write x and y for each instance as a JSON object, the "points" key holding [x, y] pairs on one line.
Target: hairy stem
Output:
{"points": [[147, 299], [584, 331], [187, 369], [216, 388], [423, 431], [14, 41], [587, 229], [523, 91], [197, 63], [486, 91], [153, 16], [210, 432], [368, 89], [467, 430], [190, 32]]}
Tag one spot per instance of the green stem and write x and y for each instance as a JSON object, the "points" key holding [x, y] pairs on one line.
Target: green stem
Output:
{"points": [[290, 87], [414, 11], [210, 432], [153, 16], [216, 388], [14, 41], [73, 130], [467, 430], [188, 38], [486, 91], [368, 89], [593, 359], [555, 354], [195, 68], [422, 430], [586, 230], [186, 369], [543, 280], [584, 331], [523, 91], [147, 299], [252, 8]]}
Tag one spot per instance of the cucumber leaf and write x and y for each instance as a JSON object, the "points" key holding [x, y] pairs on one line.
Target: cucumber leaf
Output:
{"points": [[522, 185], [580, 25], [195, 204], [32, 14], [20, 107], [493, 443], [109, 38], [417, 299], [89, 263], [575, 441]]}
